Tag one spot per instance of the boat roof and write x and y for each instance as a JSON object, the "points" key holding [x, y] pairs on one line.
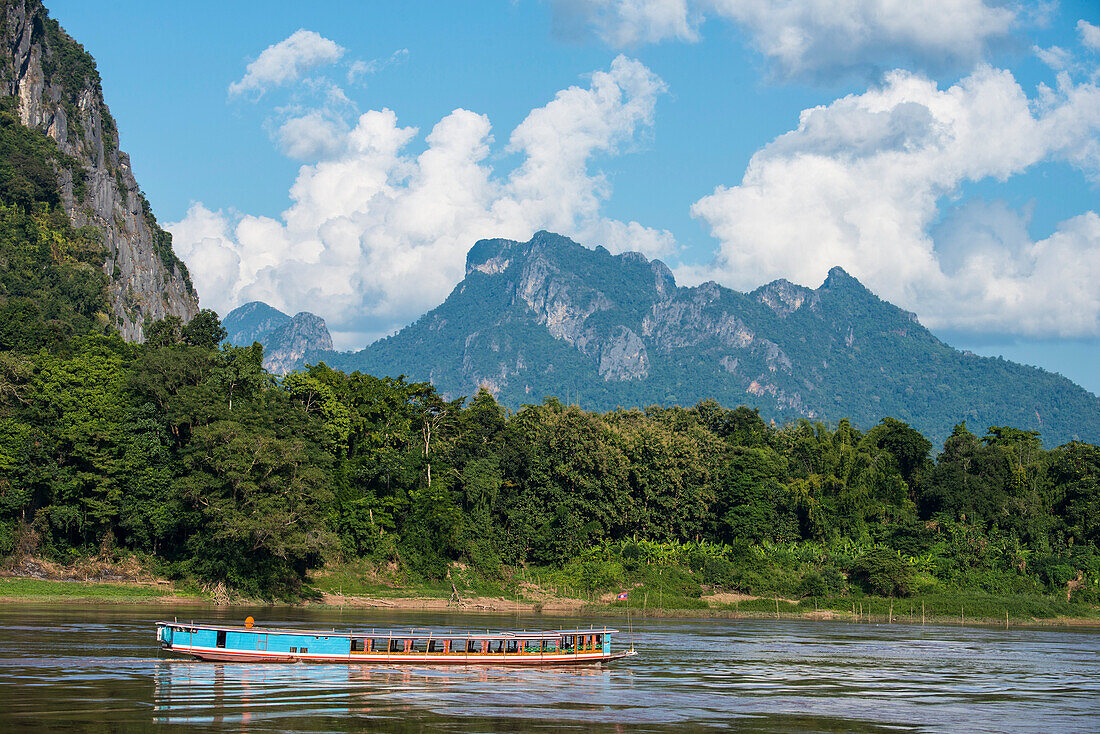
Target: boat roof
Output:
{"points": [[412, 632]]}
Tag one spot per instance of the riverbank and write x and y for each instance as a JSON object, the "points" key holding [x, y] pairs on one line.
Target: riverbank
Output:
{"points": [[16, 590], [360, 586], [973, 609]]}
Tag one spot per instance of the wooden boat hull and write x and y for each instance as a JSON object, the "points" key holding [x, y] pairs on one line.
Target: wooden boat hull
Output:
{"points": [[415, 647]]}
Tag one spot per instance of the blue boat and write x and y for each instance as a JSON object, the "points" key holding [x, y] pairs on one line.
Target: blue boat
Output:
{"points": [[250, 643]]}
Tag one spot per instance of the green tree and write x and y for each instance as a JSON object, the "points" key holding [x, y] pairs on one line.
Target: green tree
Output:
{"points": [[883, 572], [165, 332], [203, 330], [258, 487]]}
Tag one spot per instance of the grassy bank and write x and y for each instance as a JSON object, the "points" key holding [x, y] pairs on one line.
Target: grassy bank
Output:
{"points": [[44, 591], [347, 588], [542, 591], [959, 608]]}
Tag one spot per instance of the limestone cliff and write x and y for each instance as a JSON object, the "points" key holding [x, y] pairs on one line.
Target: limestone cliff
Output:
{"points": [[56, 89]]}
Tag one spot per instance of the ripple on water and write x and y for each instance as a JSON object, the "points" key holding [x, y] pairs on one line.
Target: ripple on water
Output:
{"points": [[101, 669]]}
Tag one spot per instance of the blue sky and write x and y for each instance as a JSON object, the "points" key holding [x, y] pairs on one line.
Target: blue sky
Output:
{"points": [[951, 164]]}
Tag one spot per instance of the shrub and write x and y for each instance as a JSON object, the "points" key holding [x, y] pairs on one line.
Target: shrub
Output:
{"points": [[827, 581], [883, 572], [718, 572]]}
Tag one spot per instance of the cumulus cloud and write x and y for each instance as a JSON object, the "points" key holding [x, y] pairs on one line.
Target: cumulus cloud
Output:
{"points": [[312, 136], [859, 183], [1090, 34], [814, 39], [286, 61], [376, 235]]}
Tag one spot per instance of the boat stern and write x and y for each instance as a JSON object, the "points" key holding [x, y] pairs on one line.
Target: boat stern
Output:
{"points": [[164, 635]]}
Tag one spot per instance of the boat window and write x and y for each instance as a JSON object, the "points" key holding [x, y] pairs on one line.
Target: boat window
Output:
{"points": [[221, 638], [549, 645], [294, 649], [599, 640], [568, 642], [473, 646], [397, 646], [419, 646], [379, 644], [458, 645], [358, 645], [305, 649], [513, 646], [435, 646]]}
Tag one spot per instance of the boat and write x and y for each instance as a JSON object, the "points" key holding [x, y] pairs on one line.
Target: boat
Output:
{"points": [[251, 643]]}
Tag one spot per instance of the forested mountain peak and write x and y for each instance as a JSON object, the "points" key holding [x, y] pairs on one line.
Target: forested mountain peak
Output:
{"points": [[51, 85], [286, 339], [550, 316], [253, 322]]}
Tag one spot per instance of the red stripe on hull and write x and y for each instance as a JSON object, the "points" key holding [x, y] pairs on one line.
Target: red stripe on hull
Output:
{"points": [[241, 656]]}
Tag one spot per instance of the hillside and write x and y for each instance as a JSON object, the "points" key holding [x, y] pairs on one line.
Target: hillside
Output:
{"points": [[51, 86], [551, 317]]}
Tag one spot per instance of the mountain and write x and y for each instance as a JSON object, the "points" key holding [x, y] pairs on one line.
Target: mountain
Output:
{"points": [[253, 322], [551, 317], [286, 340], [51, 85]]}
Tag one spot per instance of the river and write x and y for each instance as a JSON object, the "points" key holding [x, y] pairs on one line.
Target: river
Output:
{"points": [[99, 668]]}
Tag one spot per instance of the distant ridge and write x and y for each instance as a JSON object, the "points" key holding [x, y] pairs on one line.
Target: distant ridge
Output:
{"points": [[549, 317], [286, 340]]}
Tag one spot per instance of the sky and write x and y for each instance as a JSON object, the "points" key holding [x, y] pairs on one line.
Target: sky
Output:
{"points": [[343, 157]]}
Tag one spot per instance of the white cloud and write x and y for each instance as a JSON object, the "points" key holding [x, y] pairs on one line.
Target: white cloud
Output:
{"points": [[203, 241], [1056, 57], [312, 136], [628, 22], [375, 235], [358, 70], [286, 61], [859, 182], [811, 38], [1090, 34]]}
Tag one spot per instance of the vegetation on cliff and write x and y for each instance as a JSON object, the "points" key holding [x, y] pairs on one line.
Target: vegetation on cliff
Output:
{"points": [[64, 144]]}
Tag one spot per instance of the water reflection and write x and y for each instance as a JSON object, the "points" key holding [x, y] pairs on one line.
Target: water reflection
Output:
{"points": [[213, 693], [99, 668]]}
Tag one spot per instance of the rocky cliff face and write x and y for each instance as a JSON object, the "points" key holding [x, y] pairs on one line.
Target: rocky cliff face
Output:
{"points": [[56, 89], [551, 317], [287, 346], [286, 340]]}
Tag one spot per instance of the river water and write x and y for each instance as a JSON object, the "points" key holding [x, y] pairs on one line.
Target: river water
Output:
{"points": [[99, 668]]}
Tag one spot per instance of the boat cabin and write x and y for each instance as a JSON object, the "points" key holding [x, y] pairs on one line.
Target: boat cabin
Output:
{"points": [[209, 642]]}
